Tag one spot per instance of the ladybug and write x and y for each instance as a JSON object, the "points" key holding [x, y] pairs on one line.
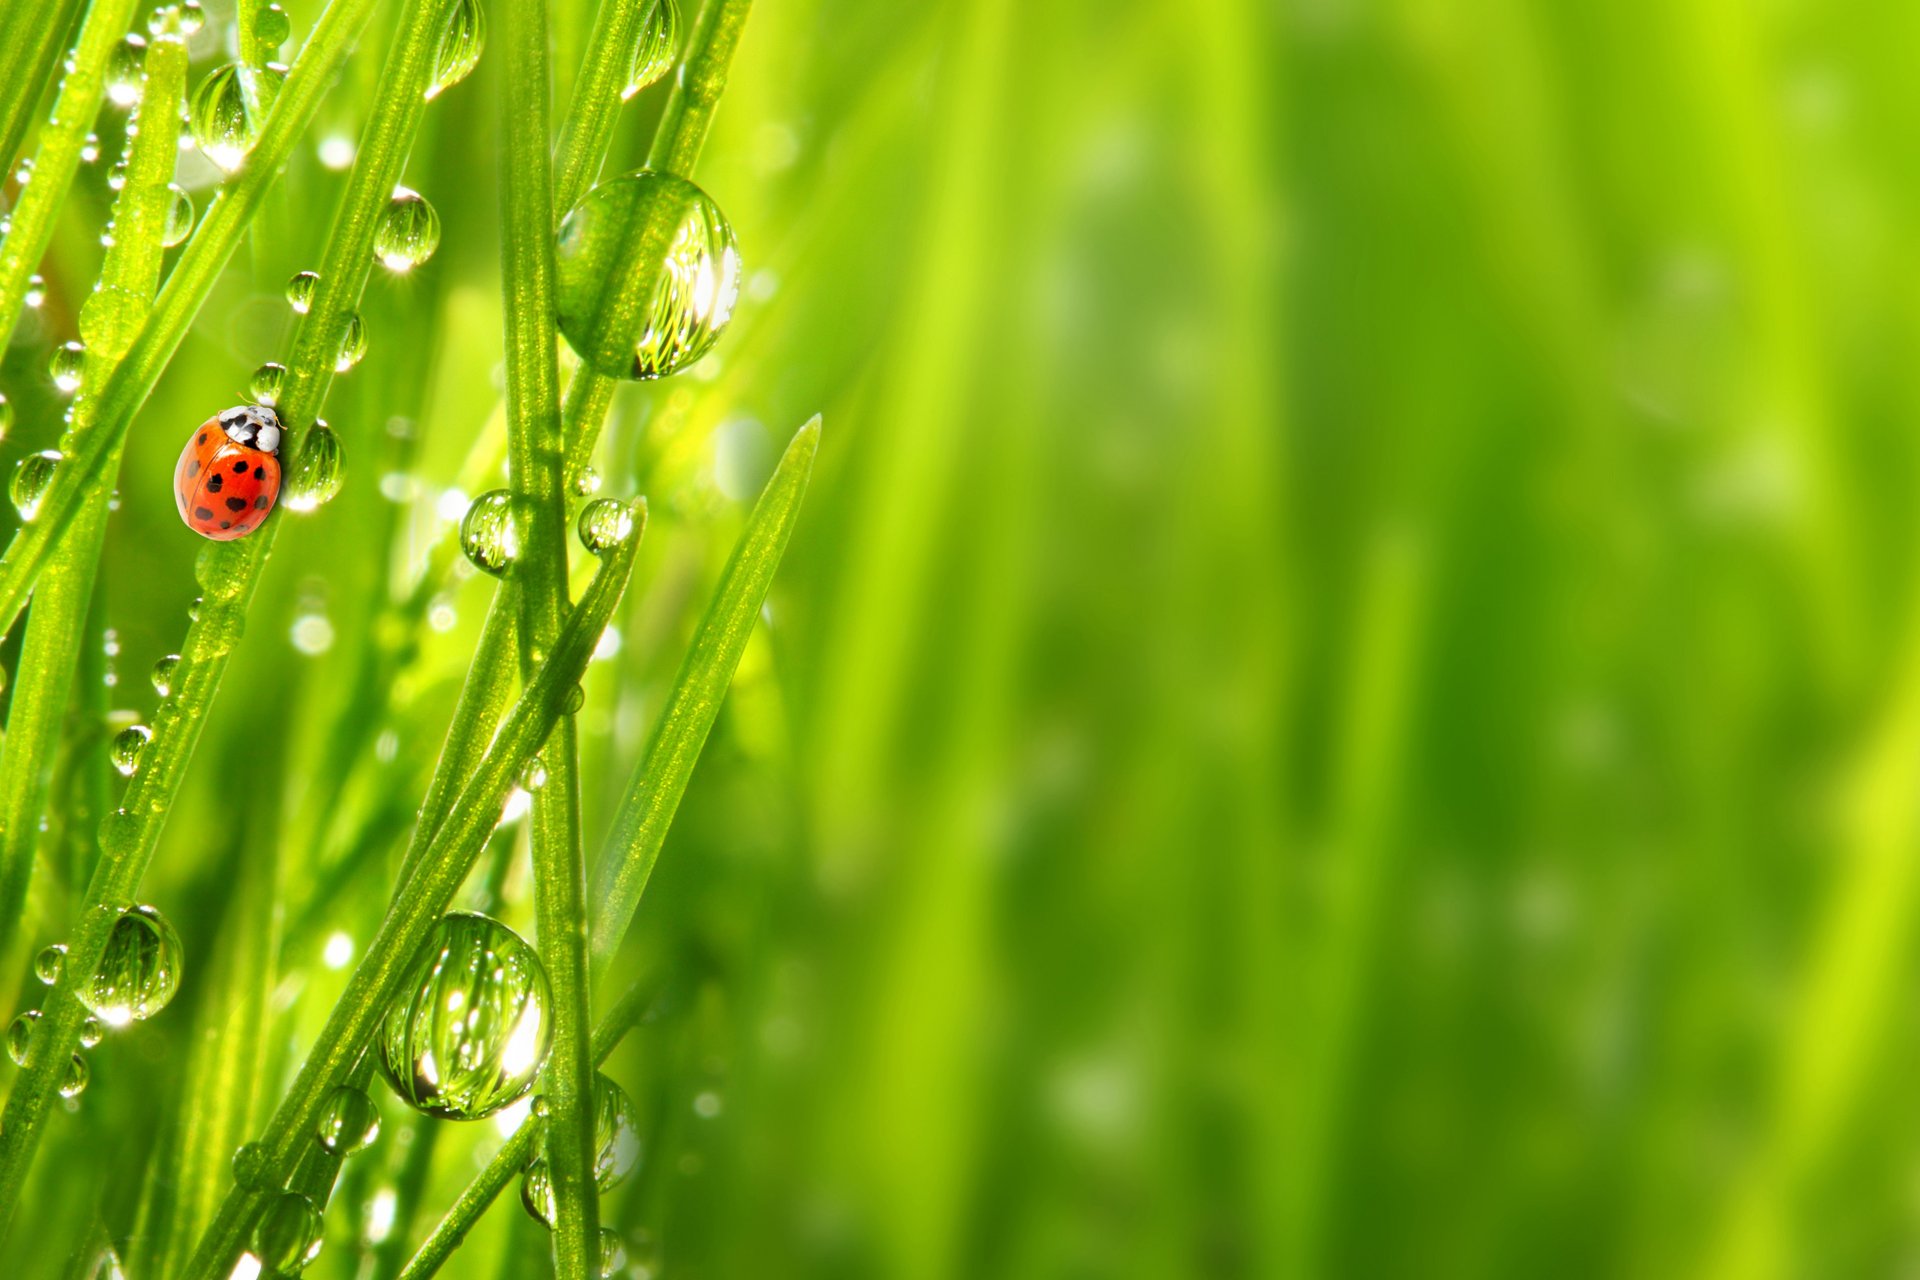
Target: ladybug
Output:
{"points": [[228, 476]]}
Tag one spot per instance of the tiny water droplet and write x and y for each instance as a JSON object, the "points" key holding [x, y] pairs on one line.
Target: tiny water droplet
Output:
{"points": [[111, 318], [534, 776], [471, 1028], [250, 1165], [47, 965], [139, 971], [90, 149], [92, 1031], [408, 233], [67, 365], [193, 608], [536, 1192], [575, 699], [163, 674], [31, 476], [271, 25], [266, 382], [540, 1107], [182, 19], [490, 532], [300, 290], [127, 746], [613, 1252], [353, 344], [126, 71], [349, 1123], [586, 481], [20, 1036], [229, 110], [74, 1082], [690, 277], [179, 224], [654, 46], [461, 41], [605, 524], [36, 290], [318, 472], [289, 1234], [117, 176]]}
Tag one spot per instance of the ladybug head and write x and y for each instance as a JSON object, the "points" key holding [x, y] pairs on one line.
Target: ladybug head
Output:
{"points": [[254, 425]]}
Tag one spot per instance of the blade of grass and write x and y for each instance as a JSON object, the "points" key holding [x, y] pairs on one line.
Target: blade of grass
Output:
{"points": [[35, 30]]}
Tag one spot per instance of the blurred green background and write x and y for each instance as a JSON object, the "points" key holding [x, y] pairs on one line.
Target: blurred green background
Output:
{"points": [[1345, 702]]}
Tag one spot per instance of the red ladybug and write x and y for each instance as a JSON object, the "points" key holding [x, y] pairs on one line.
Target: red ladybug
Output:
{"points": [[228, 476]]}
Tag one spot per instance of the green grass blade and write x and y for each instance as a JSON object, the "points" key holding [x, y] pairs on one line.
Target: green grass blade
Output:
{"points": [[28, 57]]}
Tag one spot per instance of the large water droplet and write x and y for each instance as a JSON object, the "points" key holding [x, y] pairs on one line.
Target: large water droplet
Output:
{"points": [[604, 525], [469, 1031], [163, 674], [266, 382], [127, 746], [47, 965], [648, 275], [654, 46], [490, 532], [181, 18], [613, 1252], [408, 233], [289, 1234], [230, 108], [318, 472], [67, 365], [126, 71], [179, 224], [20, 1036], [139, 971], [300, 290], [349, 1123], [461, 41], [353, 344], [110, 319], [271, 25], [74, 1082], [31, 476]]}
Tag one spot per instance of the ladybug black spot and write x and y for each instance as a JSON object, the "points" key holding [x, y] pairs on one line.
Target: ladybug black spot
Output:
{"points": [[262, 502], [239, 466], [236, 504], [259, 473], [203, 437], [215, 482], [226, 524], [201, 513]]}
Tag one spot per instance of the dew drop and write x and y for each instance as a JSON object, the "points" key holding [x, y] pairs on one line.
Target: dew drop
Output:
{"points": [[613, 1252], [90, 149], [349, 1123], [300, 290], [534, 776], [490, 532], [575, 699], [461, 41], [110, 319], [271, 25], [229, 110], [36, 293], [20, 1036], [163, 674], [179, 224], [648, 273], [250, 1162], [177, 19], [536, 1192], [266, 382], [126, 71], [117, 176], [353, 344], [289, 1234], [605, 524], [92, 1031], [654, 46], [193, 608], [408, 233], [74, 1082], [127, 746], [31, 476], [616, 1132], [469, 1031], [585, 482], [139, 971], [319, 471], [47, 965], [67, 365]]}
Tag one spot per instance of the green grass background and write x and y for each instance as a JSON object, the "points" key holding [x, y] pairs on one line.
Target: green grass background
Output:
{"points": [[1345, 702]]}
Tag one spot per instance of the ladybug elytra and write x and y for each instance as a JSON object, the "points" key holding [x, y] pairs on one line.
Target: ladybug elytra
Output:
{"points": [[228, 476]]}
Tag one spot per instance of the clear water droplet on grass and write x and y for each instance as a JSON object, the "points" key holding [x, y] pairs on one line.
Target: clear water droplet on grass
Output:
{"points": [[179, 224], [408, 233], [266, 382], [117, 176], [655, 44], [90, 149], [534, 776], [20, 1036], [319, 471], [470, 1029], [616, 1133], [613, 1252], [74, 1082], [31, 476], [230, 109], [536, 1192], [163, 672], [575, 699], [289, 1234], [111, 318], [300, 290], [250, 1162], [353, 344], [126, 71], [490, 532], [68, 366], [461, 41], [648, 274], [47, 965], [92, 1032], [605, 525], [183, 19], [349, 1123], [139, 971], [271, 25], [36, 293], [585, 482], [127, 746]]}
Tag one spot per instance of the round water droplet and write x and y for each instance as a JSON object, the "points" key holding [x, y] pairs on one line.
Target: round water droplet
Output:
{"points": [[193, 608], [616, 1133], [490, 532], [92, 1031], [461, 41], [266, 382], [469, 1031], [250, 1162], [177, 18], [605, 524], [36, 293], [575, 699], [648, 274], [534, 776], [613, 1252], [47, 965], [300, 290], [90, 149], [163, 674], [585, 482], [110, 319], [139, 971], [179, 224], [117, 176], [289, 1234], [353, 344], [74, 1082], [656, 41], [319, 471], [349, 1123], [20, 1036], [6, 417], [229, 109], [67, 365], [408, 233], [127, 746], [536, 1192], [31, 476], [126, 71], [271, 25], [541, 1108]]}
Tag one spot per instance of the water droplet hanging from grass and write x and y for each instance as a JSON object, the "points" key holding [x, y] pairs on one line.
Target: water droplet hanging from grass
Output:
{"points": [[300, 290], [605, 525], [67, 365], [74, 1082], [92, 1032], [289, 1234], [179, 224], [319, 471], [36, 294], [353, 344], [139, 971], [163, 672], [271, 26], [20, 1036], [110, 319], [127, 746], [31, 476], [349, 1123], [266, 382], [126, 71], [408, 233], [490, 532], [47, 965], [655, 45], [229, 110], [461, 41], [181, 18], [613, 1252]]}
